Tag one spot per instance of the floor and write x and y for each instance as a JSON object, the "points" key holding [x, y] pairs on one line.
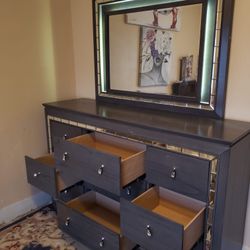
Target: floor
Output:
{"points": [[38, 232]]}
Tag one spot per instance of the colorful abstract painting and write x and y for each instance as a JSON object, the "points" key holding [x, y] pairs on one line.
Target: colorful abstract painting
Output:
{"points": [[155, 57], [167, 19]]}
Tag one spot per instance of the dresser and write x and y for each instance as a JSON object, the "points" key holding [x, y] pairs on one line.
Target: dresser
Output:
{"points": [[130, 178]]}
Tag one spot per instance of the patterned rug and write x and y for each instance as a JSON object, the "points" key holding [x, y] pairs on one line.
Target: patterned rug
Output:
{"points": [[38, 232]]}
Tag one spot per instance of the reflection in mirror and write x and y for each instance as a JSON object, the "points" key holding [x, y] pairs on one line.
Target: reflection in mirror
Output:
{"points": [[156, 51], [163, 54]]}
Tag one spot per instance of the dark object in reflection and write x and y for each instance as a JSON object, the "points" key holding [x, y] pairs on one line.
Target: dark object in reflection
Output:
{"points": [[185, 88]]}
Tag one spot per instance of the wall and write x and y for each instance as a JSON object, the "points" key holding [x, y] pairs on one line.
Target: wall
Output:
{"points": [[238, 100], [83, 47], [238, 93], [36, 66], [125, 50]]}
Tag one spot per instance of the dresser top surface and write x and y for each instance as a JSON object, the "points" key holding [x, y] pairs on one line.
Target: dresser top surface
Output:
{"points": [[221, 131]]}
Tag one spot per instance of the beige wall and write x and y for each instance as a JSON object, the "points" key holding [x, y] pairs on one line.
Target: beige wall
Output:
{"points": [[124, 54], [83, 47], [125, 50], [36, 66], [187, 41], [82, 27], [238, 95]]}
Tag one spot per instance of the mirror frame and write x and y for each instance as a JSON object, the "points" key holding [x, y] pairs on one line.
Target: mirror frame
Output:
{"points": [[215, 58]]}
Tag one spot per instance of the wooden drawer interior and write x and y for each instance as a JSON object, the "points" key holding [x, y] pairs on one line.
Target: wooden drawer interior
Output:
{"points": [[47, 160], [98, 208], [131, 153], [177, 208]]}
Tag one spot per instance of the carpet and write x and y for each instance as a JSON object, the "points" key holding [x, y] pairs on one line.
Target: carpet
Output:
{"points": [[38, 232]]}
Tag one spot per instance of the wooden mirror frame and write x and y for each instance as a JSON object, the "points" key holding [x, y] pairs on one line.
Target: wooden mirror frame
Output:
{"points": [[215, 58]]}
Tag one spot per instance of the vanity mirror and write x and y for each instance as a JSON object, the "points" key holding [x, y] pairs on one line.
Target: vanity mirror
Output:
{"points": [[163, 54]]}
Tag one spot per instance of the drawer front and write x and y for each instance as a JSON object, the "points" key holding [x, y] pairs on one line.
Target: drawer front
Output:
{"points": [[41, 176], [149, 230], [72, 192], [181, 173], [133, 190], [65, 131], [90, 233], [97, 168], [67, 177]]}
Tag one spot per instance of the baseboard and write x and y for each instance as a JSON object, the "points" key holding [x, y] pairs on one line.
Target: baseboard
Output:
{"points": [[21, 208]]}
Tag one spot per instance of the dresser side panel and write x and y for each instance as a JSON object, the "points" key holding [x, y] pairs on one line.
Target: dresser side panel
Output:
{"points": [[236, 196]]}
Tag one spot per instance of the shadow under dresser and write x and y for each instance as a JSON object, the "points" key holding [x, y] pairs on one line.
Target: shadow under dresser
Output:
{"points": [[128, 178]]}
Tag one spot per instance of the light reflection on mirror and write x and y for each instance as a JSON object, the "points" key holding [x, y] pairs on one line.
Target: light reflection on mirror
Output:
{"points": [[156, 51]]}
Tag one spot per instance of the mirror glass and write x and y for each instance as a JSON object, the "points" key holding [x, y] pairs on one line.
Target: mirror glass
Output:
{"points": [[156, 51]]}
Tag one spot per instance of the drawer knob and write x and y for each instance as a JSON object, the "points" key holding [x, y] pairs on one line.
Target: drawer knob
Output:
{"points": [[35, 175], [67, 222], [173, 174], [100, 170], [65, 156], [129, 191], [101, 243], [149, 231], [65, 137]]}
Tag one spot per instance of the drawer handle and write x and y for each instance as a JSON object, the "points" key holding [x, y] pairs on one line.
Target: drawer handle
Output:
{"points": [[100, 170], [67, 222], [35, 175], [173, 174], [101, 243], [149, 231], [65, 156], [129, 191], [65, 137]]}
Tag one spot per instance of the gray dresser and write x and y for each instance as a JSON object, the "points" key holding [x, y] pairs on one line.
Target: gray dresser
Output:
{"points": [[125, 177]]}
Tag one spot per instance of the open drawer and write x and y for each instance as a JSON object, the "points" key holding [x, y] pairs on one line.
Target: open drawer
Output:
{"points": [[106, 161], [94, 220], [42, 173], [161, 219]]}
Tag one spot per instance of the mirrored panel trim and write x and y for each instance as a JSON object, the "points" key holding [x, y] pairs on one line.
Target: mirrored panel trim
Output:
{"points": [[210, 58], [163, 102]]}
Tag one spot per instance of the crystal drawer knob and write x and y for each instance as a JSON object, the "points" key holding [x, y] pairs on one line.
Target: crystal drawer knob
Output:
{"points": [[36, 174], [100, 170], [129, 191], [65, 156], [101, 243], [149, 231], [173, 174], [65, 137], [67, 222]]}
